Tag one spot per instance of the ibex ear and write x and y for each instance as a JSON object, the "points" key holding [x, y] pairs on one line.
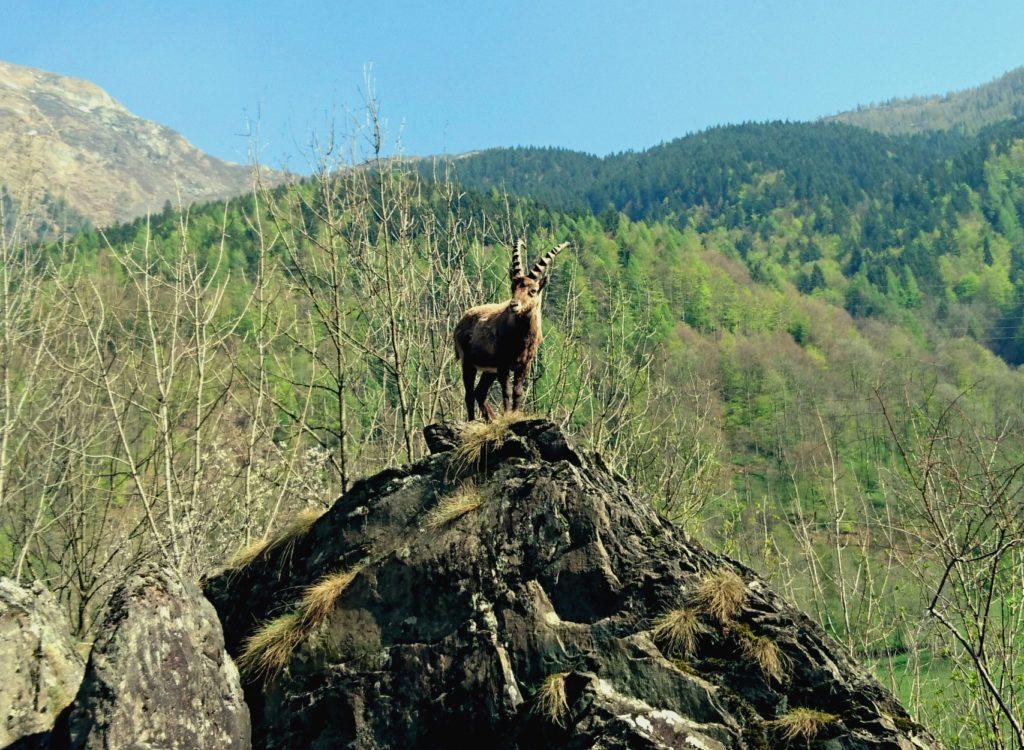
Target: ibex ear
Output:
{"points": [[542, 281]]}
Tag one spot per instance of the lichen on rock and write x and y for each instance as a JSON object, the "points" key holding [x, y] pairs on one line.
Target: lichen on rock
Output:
{"points": [[41, 669], [158, 676]]}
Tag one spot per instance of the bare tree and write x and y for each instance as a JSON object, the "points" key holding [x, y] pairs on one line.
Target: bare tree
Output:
{"points": [[965, 487]]}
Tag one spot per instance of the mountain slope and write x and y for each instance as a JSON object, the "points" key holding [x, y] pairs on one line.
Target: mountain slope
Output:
{"points": [[681, 353], [65, 138], [973, 108]]}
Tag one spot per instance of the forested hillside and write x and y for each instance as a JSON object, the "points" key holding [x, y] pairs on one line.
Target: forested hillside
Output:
{"points": [[924, 228], [786, 334]]}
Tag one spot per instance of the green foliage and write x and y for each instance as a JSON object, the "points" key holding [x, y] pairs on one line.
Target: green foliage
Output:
{"points": [[930, 223]]}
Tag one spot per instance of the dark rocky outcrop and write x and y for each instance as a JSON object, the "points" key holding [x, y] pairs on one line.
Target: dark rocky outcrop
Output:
{"points": [[40, 668], [526, 622], [158, 676]]}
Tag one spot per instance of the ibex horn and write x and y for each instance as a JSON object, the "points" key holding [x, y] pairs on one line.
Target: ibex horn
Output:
{"points": [[541, 268], [516, 269]]}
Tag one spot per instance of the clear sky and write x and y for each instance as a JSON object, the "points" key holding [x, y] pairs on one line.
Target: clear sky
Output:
{"points": [[595, 76]]}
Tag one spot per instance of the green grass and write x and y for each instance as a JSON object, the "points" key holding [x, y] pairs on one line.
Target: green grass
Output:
{"points": [[937, 677]]}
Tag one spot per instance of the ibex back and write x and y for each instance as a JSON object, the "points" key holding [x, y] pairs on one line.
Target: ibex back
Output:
{"points": [[501, 340]]}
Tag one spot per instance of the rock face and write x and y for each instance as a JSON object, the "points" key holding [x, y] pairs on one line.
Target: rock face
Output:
{"points": [[70, 137], [158, 677], [519, 602], [41, 670]]}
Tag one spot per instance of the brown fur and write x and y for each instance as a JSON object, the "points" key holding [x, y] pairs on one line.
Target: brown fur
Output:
{"points": [[500, 340]]}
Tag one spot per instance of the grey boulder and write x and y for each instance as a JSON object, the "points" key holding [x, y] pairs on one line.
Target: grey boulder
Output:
{"points": [[158, 676], [39, 668]]}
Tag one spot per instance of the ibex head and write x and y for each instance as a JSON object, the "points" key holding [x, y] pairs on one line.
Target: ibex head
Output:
{"points": [[526, 288]]}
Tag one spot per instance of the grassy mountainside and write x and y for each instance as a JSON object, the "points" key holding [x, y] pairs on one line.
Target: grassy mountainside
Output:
{"points": [[968, 110], [66, 139]]}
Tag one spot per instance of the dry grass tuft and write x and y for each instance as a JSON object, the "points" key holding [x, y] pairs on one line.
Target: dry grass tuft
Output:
{"points": [[677, 631], [478, 434], [286, 535], [466, 498], [266, 651], [766, 654], [720, 594], [803, 723], [551, 699], [318, 600]]}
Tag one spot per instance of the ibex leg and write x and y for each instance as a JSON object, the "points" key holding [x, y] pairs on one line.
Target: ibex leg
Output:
{"points": [[518, 387], [506, 389], [486, 379], [468, 376]]}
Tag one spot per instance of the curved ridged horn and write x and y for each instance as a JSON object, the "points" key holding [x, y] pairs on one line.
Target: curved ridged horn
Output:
{"points": [[515, 270], [541, 268]]}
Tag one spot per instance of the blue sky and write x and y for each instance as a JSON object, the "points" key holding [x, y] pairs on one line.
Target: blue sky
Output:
{"points": [[454, 76]]}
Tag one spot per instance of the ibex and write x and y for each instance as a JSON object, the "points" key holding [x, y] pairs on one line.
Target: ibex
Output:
{"points": [[502, 339]]}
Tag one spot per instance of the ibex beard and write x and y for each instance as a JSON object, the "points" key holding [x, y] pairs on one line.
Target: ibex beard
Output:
{"points": [[500, 340]]}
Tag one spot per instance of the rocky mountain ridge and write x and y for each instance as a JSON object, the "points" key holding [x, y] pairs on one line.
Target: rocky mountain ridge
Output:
{"points": [[64, 138]]}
